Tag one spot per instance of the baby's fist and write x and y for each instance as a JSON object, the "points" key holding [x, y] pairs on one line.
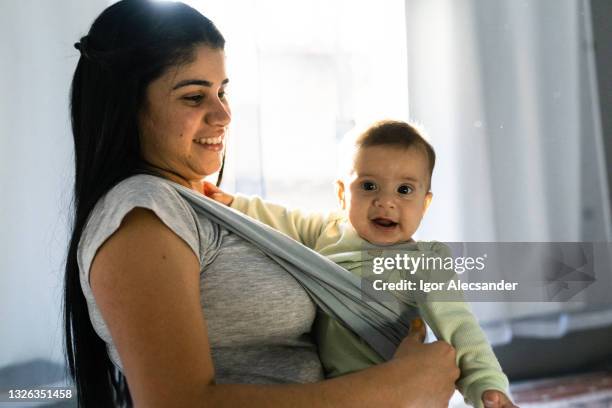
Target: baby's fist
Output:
{"points": [[214, 192], [496, 399]]}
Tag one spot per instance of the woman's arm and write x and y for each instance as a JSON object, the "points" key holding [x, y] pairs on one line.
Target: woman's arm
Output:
{"points": [[145, 280]]}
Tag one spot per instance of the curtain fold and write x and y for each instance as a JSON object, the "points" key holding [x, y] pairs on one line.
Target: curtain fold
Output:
{"points": [[506, 91]]}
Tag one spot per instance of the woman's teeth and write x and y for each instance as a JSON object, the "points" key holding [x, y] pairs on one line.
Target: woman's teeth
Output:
{"points": [[209, 140]]}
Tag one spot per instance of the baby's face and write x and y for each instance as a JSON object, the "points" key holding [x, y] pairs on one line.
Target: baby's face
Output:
{"points": [[387, 194]]}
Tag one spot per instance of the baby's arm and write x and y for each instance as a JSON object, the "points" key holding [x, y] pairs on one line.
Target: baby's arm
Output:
{"points": [[454, 323], [452, 320], [304, 228], [482, 380]]}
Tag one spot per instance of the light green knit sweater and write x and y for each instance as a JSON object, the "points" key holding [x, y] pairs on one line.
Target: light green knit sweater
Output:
{"points": [[340, 350]]}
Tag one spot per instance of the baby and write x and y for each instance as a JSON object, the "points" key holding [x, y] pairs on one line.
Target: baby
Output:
{"points": [[383, 196]]}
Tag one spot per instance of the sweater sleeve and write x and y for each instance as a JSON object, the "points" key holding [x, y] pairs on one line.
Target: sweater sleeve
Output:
{"points": [[454, 322], [305, 228]]}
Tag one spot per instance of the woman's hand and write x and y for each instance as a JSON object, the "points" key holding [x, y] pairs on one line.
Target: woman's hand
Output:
{"points": [[214, 192], [435, 365], [418, 375], [496, 399]]}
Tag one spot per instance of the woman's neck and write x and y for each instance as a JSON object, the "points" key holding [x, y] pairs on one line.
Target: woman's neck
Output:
{"points": [[197, 185]]}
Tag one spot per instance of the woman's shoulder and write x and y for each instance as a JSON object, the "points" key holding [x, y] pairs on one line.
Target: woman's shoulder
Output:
{"points": [[140, 187], [148, 192]]}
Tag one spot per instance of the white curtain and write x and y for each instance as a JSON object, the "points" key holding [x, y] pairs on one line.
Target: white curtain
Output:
{"points": [[507, 91]]}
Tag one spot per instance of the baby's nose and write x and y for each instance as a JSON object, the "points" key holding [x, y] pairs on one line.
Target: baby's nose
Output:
{"points": [[384, 202]]}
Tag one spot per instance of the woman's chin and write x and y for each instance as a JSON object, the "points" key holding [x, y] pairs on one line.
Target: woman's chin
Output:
{"points": [[210, 167]]}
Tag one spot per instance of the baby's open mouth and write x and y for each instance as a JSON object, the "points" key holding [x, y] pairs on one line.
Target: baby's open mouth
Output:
{"points": [[384, 222]]}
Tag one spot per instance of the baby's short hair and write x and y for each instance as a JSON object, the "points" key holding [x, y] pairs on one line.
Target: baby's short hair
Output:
{"points": [[388, 133]]}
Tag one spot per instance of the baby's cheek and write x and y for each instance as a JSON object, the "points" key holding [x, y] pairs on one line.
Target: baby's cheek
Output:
{"points": [[356, 221], [410, 227], [354, 210]]}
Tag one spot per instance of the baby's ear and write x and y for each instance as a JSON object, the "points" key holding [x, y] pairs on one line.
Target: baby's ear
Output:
{"points": [[428, 198], [340, 194]]}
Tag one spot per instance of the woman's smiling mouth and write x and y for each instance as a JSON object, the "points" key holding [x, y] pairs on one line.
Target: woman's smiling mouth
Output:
{"points": [[209, 140], [211, 143]]}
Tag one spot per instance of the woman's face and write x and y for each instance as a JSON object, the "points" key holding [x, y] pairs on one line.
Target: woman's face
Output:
{"points": [[185, 115]]}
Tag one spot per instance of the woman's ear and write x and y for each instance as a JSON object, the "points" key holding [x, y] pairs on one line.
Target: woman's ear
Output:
{"points": [[340, 194]]}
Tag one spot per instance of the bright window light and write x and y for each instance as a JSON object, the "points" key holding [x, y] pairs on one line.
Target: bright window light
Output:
{"points": [[302, 74]]}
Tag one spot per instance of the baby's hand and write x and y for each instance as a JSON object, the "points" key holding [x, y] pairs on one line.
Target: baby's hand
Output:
{"points": [[496, 399], [214, 192]]}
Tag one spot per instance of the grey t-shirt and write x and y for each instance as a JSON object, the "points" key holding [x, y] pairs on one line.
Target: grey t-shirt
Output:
{"points": [[259, 317]]}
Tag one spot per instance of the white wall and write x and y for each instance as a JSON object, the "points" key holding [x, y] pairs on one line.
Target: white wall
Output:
{"points": [[38, 59]]}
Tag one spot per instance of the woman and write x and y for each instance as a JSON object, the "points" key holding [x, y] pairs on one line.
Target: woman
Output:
{"points": [[180, 309]]}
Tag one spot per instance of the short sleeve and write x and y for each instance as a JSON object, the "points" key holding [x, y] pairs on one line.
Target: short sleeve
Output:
{"points": [[142, 191]]}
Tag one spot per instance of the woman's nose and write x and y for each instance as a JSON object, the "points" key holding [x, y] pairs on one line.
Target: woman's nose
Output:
{"points": [[219, 114]]}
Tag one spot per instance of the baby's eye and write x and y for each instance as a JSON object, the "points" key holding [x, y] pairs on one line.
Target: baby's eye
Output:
{"points": [[369, 186], [405, 189]]}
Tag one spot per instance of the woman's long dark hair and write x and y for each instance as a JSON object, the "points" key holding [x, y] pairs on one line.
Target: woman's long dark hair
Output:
{"points": [[129, 45]]}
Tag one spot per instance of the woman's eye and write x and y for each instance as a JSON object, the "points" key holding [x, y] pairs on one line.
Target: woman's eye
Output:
{"points": [[222, 95], [405, 189], [368, 186], [194, 98]]}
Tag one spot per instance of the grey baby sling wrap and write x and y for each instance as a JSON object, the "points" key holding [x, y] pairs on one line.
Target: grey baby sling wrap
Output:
{"points": [[381, 324]]}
